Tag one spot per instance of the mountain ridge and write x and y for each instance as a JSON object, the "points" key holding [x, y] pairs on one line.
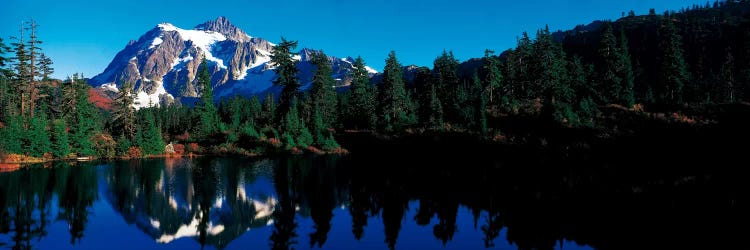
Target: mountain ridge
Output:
{"points": [[163, 62]]}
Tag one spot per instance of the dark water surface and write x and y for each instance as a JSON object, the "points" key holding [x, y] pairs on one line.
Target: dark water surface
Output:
{"points": [[509, 201]]}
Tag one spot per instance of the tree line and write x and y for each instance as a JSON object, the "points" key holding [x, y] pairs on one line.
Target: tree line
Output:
{"points": [[696, 56]]}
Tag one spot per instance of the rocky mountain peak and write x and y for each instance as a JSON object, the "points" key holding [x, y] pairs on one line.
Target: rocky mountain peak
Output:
{"points": [[223, 26]]}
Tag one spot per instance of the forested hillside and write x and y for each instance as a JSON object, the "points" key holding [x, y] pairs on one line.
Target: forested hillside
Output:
{"points": [[672, 67]]}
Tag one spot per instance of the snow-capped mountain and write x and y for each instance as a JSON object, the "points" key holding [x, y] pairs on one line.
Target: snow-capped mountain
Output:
{"points": [[162, 64]]}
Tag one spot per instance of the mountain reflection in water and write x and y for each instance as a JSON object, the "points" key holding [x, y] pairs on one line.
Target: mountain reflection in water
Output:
{"points": [[345, 203]]}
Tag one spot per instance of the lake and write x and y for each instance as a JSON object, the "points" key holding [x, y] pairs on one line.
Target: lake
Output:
{"points": [[510, 200]]}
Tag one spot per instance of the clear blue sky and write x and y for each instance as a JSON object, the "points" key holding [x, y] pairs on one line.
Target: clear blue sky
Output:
{"points": [[84, 35]]}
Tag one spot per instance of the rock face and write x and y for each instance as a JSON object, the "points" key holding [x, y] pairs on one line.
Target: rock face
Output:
{"points": [[162, 64]]}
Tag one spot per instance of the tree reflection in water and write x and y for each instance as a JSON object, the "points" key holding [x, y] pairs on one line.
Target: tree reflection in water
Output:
{"points": [[215, 201]]}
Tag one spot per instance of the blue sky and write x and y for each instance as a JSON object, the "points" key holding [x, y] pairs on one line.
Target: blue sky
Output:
{"points": [[84, 35]]}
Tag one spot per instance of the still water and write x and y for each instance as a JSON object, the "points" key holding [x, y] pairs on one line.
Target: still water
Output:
{"points": [[340, 203]]}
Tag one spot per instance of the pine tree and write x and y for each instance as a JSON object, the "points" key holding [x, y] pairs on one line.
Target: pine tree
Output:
{"points": [[493, 77], [60, 141], [208, 117], [286, 71], [673, 73], [84, 118], [445, 77], [11, 135], [480, 103], [726, 78], [627, 95], [362, 97], [552, 83], [37, 136], [322, 94], [396, 110], [123, 112], [22, 71], [435, 111], [152, 143], [45, 66], [610, 82], [123, 145]]}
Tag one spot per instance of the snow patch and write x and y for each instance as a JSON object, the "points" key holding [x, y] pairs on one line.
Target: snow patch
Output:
{"points": [[190, 231], [143, 99], [371, 70], [156, 42], [110, 87], [201, 39]]}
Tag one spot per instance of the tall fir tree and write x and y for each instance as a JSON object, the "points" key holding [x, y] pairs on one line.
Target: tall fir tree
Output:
{"points": [[37, 136], [446, 81], [395, 107], [673, 73], [551, 84], [609, 80], [492, 76], [11, 135], [84, 118], [60, 139], [208, 117], [727, 82], [362, 97], [123, 111], [152, 141], [625, 70], [286, 72], [322, 94]]}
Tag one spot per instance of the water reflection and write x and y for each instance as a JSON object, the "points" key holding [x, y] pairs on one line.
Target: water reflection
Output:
{"points": [[303, 202]]}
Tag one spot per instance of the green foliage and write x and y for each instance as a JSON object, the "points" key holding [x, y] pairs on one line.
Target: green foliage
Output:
{"points": [[208, 117], [396, 108], [123, 145], [37, 137], [123, 112], [329, 143], [286, 72], [288, 141], [152, 142], [322, 94], [249, 130], [492, 76], [674, 71], [304, 139], [84, 117], [361, 98], [11, 135], [60, 141]]}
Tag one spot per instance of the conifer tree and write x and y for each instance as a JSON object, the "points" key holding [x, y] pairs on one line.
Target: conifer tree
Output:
{"points": [[396, 110], [435, 118], [11, 135], [610, 82], [286, 71], [446, 82], [152, 143], [208, 117], [362, 97], [673, 73], [37, 136], [322, 94], [60, 141], [123, 112], [726, 78], [627, 96], [552, 82], [493, 77], [83, 118]]}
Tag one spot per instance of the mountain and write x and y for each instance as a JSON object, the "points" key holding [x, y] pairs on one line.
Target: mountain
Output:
{"points": [[162, 64]]}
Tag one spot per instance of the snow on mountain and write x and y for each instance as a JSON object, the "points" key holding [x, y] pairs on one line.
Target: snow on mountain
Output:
{"points": [[163, 63]]}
